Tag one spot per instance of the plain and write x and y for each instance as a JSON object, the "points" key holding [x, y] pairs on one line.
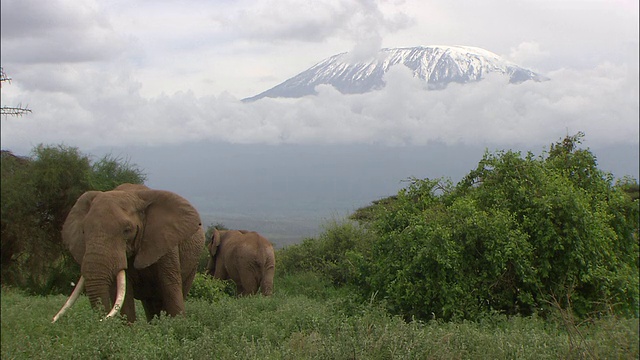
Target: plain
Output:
{"points": [[307, 318]]}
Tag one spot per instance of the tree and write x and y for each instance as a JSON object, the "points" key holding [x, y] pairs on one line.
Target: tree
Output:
{"points": [[37, 194], [109, 172], [7, 110], [513, 236]]}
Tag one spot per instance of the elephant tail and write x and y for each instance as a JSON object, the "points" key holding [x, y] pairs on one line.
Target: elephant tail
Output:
{"points": [[266, 283]]}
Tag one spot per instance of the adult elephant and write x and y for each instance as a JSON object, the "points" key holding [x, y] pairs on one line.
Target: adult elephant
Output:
{"points": [[245, 257], [149, 240]]}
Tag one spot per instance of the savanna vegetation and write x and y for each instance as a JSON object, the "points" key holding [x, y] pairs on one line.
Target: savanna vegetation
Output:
{"points": [[307, 318], [525, 257]]}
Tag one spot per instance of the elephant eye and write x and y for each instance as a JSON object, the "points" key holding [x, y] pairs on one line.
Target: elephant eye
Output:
{"points": [[128, 230]]}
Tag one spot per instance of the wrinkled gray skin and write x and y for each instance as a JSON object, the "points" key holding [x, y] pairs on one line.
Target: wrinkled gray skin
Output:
{"points": [[245, 257], [156, 236]]}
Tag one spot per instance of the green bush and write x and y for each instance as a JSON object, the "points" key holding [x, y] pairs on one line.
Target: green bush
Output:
{"points": [[203, 260], [515, 236], [109, 172], [207, 288], [329, 254]]}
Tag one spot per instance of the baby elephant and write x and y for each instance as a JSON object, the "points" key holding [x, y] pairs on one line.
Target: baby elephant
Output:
{"points": [[245, 257]]}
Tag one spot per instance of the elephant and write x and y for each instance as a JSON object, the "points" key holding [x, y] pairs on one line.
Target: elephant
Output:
{"points": [[134, 242], [245, 257]]}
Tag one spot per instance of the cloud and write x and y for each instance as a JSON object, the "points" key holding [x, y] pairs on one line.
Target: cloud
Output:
{"points": [[109, 111], [528, 54], [368, 26], [313, 21], [57, 31], [288, 20]]}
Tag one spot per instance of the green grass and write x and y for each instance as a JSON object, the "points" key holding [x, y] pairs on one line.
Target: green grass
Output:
{"points": [[305, 319]]}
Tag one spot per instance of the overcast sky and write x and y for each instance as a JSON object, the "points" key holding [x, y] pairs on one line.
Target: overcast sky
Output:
{"points": [[116, 73]]}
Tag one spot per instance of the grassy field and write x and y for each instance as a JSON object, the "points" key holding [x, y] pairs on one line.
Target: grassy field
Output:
{"points": [[305, 319]]}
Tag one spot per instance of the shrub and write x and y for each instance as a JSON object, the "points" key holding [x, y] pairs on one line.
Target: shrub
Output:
{"points": [[109, 172], [205, 287], [330, 254], [515, 235], [203, 260]]}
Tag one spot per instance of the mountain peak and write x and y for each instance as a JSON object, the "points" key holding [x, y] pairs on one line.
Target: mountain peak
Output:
{"points": [[436, 65]]}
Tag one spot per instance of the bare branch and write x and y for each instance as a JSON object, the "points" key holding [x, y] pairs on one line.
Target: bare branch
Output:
{"points": [[13, 111], [3, 76], [10, 110]]}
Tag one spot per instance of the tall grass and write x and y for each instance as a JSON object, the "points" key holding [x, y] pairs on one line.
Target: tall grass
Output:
{"points": [[307, 318]]}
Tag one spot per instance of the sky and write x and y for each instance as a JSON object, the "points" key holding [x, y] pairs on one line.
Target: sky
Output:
{"points": [[160, 83], [116, 73]]}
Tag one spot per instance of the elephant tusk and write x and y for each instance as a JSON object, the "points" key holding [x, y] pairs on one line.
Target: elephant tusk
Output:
{"points": [[121, 289], [72, 299]]}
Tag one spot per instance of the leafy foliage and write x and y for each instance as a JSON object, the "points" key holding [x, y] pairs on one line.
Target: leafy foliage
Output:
{"points": [[368, 214], [514, 234], [37, 194], [109, 172], [330, 254], [208, 234], [207, 288], [290, 325], [630, 186]]}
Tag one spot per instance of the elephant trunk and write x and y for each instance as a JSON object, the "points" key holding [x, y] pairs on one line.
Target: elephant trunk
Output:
{"points": [[100, 273], [99, 292]]}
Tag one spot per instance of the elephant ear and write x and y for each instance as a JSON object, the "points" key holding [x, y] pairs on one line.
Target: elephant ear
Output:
{"points": [[215, 243], [169, 220], [72, 230]]}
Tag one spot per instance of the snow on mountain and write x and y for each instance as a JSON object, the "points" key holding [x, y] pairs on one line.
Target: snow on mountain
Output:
{"points": [[437, 65]]}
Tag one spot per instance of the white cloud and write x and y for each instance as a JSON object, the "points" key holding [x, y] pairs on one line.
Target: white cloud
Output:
{"points": [[528, 54], [313, 21], [57, 31], [603, 102]]}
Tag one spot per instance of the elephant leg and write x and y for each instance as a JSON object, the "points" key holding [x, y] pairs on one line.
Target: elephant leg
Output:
{"points": [[169, 278], [240, 289], [249, 284], [187, 281], [172, 301], [129, 306], [152, 307], [266, 284], [129, 309], [145, 288], [190, 252]]}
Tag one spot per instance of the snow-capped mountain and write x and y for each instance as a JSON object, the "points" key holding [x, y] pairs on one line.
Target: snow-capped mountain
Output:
{"points": [[437, 65]]}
